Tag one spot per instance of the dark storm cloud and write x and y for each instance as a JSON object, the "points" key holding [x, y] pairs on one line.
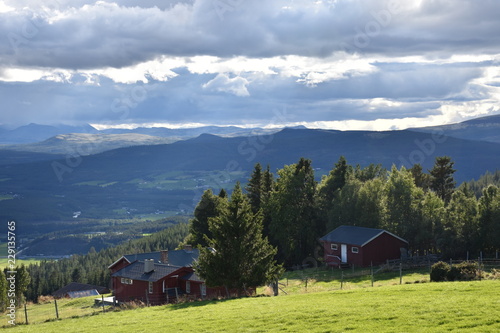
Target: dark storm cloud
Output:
{"points": [[119, 34], [332, 60]]}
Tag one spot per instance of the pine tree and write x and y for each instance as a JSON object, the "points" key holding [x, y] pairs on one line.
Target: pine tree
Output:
{"points": [[442, 181], [294, 224], [254, 188], [329, 189], [3, 292], [209, 206], [421, 179], [239, 256], [489, 219]]}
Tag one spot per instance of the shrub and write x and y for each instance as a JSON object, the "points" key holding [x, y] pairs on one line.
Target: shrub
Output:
{"points": [[439, 271], [465, 271]]}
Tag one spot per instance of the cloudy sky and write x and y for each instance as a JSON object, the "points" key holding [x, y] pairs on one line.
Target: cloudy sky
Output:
{"points": [[340, 64]]}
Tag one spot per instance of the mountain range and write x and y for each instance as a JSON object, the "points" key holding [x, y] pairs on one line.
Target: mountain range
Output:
{"points": [[44, 189]]}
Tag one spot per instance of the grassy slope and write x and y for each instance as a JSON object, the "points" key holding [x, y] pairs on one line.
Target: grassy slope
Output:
{"points": [[429, 307]]}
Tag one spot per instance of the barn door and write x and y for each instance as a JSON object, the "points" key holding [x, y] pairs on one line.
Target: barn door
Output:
{"points": [[343, 252]]}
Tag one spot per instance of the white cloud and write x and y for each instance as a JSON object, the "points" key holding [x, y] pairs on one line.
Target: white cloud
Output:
{"points": [[223, 83], [5, 8], [427, 61]]}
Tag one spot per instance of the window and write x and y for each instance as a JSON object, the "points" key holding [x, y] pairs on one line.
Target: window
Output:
{"points": [[164, 286], [334, 247], [203, 289], [355, 249], [188, 287], [150, 287], [126, 281]]}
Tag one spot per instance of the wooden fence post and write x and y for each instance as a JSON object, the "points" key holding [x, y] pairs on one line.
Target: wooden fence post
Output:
{"points": [[342, 280], [371, 269], [26, 314], [400, 273], [57, 311], [103, 310], [479, 267]]}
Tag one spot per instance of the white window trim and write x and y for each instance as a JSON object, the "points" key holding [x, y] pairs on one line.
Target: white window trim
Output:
{"points": [[355, 251], [150, 287], [203, 289], [126, 281], [334, 247], [188, 287]]}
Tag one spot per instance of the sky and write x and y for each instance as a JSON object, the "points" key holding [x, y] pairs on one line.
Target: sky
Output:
{"points": [[335, 64]]}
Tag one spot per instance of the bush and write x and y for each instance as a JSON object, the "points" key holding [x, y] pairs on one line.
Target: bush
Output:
{"points": [[439, 271], [465, 271]]}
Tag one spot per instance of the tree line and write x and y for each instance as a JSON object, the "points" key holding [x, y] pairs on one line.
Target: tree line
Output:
{"points": [[48, 276], [424, 207]]}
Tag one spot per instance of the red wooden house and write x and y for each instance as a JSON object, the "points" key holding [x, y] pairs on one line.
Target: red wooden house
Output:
{"points": [[159, 277], [361, 246]]}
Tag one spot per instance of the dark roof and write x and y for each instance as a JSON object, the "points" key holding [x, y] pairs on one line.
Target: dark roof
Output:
{"points": [[75, 286], [83, 293], [355, 235], [135, 271], [181, 258], [192, 277]]}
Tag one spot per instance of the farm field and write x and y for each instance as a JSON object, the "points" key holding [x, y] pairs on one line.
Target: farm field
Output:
{"points": [[5, 261], [424, 307]]}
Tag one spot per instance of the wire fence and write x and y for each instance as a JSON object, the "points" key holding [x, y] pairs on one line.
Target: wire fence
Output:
{"points": [[57, 309], [393, 272]]}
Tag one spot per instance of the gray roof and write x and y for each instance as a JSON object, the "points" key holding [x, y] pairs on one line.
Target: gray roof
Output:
{"points": [[181, 258], [75, 286], [83, 293], [359, 236], [192, 277], [135, 271]]}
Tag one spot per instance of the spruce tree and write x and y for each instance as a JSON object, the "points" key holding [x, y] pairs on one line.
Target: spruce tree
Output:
{"points": [[254, 188], [3, 292], [209, 206], [442, 181], [239, 256], [294, 224]]}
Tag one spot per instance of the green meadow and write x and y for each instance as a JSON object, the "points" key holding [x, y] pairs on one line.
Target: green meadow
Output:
{"points": [[423, 307]]}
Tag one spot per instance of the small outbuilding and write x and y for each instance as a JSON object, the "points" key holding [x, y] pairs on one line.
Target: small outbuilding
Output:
{"points": [[360, 246], [76, 290]]}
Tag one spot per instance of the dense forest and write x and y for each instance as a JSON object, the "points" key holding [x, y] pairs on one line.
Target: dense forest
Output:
{"points": [[425, 208], [48, 276]]}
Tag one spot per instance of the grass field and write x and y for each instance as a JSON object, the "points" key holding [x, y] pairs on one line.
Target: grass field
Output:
{"points": [[424, 307], [26, 262]]}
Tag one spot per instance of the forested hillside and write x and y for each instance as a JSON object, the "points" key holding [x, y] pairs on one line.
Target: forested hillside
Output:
{"points": [[92, 268], [424, 208]]}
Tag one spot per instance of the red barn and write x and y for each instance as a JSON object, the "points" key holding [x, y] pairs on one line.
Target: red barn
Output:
{"points": [[361, 246], [159, 277]]}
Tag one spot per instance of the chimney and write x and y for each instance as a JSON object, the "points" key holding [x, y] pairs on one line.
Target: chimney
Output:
{"points": [[164, 256], [149, 266], [188, 248]]}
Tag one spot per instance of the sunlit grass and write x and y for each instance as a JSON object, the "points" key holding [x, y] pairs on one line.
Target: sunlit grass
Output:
{"points": [[430, 307]]}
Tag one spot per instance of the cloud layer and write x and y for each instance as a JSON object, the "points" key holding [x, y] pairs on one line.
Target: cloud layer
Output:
{"points": [[338, 63]]}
